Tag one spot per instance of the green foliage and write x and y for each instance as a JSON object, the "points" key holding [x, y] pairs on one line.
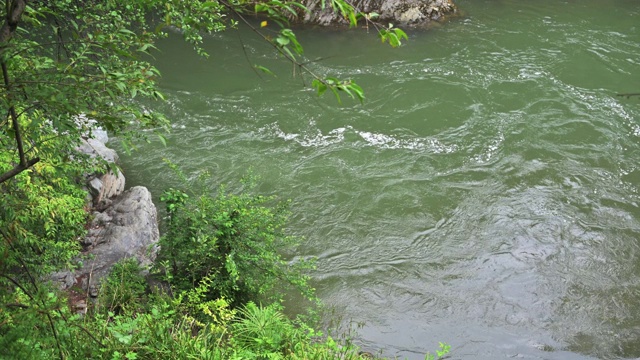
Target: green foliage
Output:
{"points": [[442, 351], [280, 11], [286, 39], [352, 89], [345, 9], [392, 35], [42, 217], [169, 329], [193, 18], [40, 326], [263, 331], [235, 241], [43, 209], [124, 288]]}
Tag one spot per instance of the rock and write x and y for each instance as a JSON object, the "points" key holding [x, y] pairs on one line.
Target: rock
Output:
{"points": [[126, 229], [100, 135], [398, 12], [91, 128], [97, 149], [124, 223], [102, 187]]}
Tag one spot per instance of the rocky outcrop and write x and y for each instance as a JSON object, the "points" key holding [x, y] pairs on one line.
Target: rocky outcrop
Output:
{"points": [[128, 228], [102, 187], [398, 12], [124, 225]]}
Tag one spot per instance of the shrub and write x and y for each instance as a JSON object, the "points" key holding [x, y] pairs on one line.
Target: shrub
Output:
{"points": [[43, 215], [263, 332], [124, 288], [233, 240]]}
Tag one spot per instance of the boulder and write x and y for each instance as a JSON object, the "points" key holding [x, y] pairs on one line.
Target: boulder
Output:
{"points": [[97, 149], [398, 12], [128, 228], [102, 187], [91, 129]]}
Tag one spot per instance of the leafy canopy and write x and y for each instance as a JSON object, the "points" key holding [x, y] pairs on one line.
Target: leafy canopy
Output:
{"points": [[62, 58]]}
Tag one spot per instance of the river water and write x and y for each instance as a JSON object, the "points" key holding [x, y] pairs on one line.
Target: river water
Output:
{"points": [[486, 194]]}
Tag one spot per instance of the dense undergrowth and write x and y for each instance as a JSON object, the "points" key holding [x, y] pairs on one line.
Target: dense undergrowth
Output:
{"points": [[222, 281], [222, 278]]}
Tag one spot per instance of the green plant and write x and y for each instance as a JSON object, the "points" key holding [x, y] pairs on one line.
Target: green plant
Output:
{"points": [[263, 331], [43, 209], [124, 288], [443, 350], [235, 241], [393, 35]]}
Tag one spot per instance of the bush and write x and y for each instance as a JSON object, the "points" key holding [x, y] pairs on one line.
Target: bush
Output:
{"points": [[43, 213], [263, 332], [123, 290], [233, 240]]}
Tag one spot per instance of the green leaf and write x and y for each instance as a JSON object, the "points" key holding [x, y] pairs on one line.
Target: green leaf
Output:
{"points": [[209, 4], [401, 34], [126, 31], [288, 52], [358, 91], [162, 139], [145, 47], [335, 92], [320, 86], [158, 95], [353, 22], [264, 70]]}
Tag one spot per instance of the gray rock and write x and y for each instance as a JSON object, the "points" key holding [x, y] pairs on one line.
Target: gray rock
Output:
{"points": [[100, 135], [126, 229], [102, 187], [97, 149], [398, 12], [91, 129], [105, 187]]}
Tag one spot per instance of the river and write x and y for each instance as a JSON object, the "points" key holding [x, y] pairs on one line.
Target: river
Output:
{"points": [[486, 194]]}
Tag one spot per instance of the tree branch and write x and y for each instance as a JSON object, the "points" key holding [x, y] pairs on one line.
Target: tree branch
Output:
{"points": [[15, 9], [14, 118], [18, 169]]}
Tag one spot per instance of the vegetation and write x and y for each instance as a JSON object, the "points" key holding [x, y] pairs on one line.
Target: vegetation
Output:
{"points": [[63, 59], [210, 312], [232, 241]]}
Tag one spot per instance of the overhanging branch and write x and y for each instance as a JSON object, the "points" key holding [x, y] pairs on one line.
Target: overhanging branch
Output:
{"points": [[15, 9], [18, 169]]}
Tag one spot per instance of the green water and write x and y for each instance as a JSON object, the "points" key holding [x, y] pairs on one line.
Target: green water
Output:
{"points": [[485, 195]]}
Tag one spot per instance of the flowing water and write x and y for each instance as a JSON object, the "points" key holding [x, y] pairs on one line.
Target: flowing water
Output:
{"points": [[486, 194]]}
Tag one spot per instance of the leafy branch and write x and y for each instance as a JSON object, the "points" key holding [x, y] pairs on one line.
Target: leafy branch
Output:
{"points": [[15, 10], [286, 43]]}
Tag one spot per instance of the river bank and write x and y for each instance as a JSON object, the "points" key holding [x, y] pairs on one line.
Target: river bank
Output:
{"points": [[488, 180], [123, 225]]}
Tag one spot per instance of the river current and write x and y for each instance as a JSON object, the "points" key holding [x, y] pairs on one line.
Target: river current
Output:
{"points": [[486, 194]]}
